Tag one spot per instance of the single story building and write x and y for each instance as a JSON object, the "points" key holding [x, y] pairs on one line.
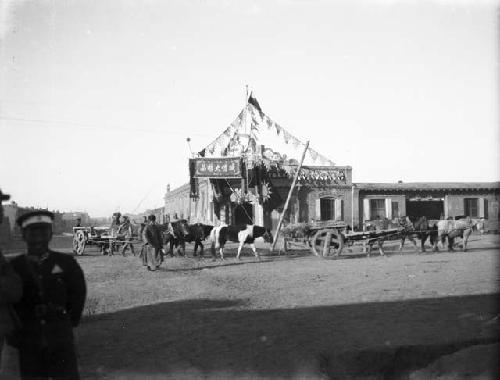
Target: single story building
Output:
{"points": [[245, 174]]}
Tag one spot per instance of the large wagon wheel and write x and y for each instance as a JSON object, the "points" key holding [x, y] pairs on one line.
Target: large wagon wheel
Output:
{"points": [[324, 239], [79, 242]]}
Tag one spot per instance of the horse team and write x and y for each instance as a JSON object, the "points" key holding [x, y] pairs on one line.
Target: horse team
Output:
{"points": [[178, 233], [437, 232]]}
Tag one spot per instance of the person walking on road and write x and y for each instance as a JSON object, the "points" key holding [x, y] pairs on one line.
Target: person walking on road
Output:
{"points": [[153, 241], [142, 254], [125, 232]]}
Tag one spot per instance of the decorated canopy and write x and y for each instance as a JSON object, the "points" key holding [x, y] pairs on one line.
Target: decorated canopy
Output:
{"points": [[255, 135], [259, 151]]}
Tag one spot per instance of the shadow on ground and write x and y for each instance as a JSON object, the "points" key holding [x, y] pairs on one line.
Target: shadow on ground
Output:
{"points": [[221, 338]]}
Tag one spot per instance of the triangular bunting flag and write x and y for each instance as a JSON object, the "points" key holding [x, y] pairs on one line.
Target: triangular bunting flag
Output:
{"points": [[255, 124], [313, 154], [286, 136]]}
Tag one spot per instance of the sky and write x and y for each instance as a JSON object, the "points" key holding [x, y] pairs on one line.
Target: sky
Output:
{"points": [[97, 98]]}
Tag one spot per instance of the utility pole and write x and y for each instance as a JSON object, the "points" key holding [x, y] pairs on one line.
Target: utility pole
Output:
{"points": [[285, 207]]}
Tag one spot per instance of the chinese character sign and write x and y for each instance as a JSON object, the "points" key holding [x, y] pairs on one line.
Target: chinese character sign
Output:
{"points": [[217, 167]]}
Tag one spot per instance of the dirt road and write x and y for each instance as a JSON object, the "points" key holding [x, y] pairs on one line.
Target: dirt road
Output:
{"points": [[292, 316], [416, 316]]}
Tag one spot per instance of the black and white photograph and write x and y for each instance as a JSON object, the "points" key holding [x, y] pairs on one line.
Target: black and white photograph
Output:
{"points": [[280, 189]]}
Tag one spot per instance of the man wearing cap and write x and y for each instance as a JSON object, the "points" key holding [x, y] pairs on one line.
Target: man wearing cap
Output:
{"points": [[54, 293], [11, 289]]}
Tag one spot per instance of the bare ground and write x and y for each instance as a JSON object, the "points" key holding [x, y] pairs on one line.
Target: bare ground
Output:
{"points": [[294, 316]]}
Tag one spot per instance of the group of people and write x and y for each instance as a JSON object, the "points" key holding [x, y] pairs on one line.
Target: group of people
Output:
{"points": [[42, 296], [151, 252], [124, 231]]}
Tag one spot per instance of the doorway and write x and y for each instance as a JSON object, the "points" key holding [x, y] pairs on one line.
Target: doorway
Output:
{"points": [[431, 209]]}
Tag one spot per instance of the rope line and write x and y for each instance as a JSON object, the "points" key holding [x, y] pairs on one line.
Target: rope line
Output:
{"points": [[244, 209]]}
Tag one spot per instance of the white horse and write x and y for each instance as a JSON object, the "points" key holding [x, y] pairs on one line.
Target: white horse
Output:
{"points": [[452, 229], [239, 234]]}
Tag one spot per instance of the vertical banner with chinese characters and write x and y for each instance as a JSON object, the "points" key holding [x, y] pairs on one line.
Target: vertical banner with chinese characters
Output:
{"points": [[227, 167], [193, 182]]}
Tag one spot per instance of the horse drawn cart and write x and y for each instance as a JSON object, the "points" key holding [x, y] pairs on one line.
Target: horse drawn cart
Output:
{"points": [[91, 236], [325, 237], [102, 237]]}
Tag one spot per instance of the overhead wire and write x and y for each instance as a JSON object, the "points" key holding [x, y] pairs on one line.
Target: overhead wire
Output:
{"points": [[89, 126]]}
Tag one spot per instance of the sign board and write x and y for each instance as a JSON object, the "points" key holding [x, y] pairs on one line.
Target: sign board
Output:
{"points": [[227, 167]]}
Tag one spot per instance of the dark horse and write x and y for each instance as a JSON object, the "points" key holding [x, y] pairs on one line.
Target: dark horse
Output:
{"points": [[240, 234], [197, 233], [175, 234], [179, 232], [420, 230]]}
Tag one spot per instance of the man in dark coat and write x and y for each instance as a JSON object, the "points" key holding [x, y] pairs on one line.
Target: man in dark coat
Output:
{"points": [[153, 241], [54, 293]]}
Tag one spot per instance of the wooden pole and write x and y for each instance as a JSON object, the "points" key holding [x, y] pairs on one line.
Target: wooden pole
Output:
{"points": [[289, 196]]}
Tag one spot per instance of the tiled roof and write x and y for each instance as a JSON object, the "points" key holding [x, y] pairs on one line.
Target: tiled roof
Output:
{"points": [[429, 186]]}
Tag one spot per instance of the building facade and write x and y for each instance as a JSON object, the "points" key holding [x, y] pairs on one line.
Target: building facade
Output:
{"points": [[434, 200], [354, 203], [245, 174]]}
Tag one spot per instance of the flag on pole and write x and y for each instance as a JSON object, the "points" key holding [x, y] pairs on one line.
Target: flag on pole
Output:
{"points": [[255, 103]]}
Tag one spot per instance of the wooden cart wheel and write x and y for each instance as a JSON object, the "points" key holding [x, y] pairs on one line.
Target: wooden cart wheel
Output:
{"points": [[79, 242], [324, 239]]}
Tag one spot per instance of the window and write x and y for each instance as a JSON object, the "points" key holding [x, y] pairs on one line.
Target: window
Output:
{"points": [[395, 210], [327, 208], [471, 207], [377, 209], [341, 211], [485, 209]]}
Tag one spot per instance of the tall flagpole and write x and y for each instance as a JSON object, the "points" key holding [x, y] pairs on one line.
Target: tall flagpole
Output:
{"points": [[246, 103], [289, 196]]}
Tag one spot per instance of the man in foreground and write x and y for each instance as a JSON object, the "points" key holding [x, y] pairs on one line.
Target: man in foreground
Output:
{"points": [[54, 293]]}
